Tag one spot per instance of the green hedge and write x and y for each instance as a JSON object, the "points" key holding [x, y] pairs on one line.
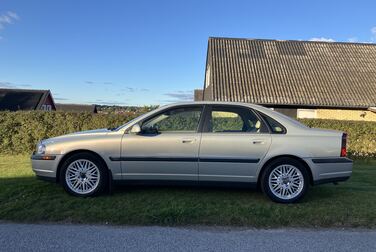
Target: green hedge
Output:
{"points": [[20, 131]]}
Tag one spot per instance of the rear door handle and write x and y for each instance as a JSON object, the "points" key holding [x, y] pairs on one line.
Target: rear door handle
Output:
{"points": [[188, 140], [258, 142]]}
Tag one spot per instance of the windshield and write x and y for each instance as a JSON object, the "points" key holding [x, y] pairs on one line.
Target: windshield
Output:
{"points": [[137, 118], [126, 124]]}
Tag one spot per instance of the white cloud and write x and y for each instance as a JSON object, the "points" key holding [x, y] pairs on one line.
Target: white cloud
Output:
{"points": [[60, 99], [107, 102], [372, 39], [373, 31], [352, 40], [7, 19], [5, 84], [13, 15], [322, 39], [180, 96]]}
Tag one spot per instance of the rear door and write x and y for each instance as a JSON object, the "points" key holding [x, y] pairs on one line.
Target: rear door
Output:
{"points": [[233, 142]]}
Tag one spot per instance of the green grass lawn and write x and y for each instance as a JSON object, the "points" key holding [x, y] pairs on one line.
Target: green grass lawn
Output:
{"points": [[23, 198]]}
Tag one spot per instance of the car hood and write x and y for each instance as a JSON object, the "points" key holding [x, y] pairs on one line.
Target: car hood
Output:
{"points": [[88, 133]]}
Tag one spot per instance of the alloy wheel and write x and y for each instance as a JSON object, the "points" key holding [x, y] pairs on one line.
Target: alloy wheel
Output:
{"points": [[82, 176], [286, 181]]}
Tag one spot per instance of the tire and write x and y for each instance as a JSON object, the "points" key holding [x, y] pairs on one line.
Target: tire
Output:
{"points": [[84, 174], [285, 180]]}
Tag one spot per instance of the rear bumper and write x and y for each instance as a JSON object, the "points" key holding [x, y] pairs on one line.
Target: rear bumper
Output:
{"points": [[328, 170], [45, 166]]}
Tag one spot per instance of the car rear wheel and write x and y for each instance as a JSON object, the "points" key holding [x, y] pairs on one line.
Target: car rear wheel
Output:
{"points": [[83, 174], [285, 180]]}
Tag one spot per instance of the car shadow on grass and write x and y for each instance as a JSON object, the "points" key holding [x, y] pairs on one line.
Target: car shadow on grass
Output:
{"points": [[30, 184], [11, 187]]}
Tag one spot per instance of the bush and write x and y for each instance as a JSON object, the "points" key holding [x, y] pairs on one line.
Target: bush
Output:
{"points": [[20, 131]]}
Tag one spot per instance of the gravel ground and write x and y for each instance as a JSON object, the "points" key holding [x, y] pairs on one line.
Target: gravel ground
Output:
{"points": [[48, 237]]}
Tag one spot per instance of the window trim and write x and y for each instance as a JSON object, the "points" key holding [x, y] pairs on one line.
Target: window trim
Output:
{"points": [[208, 110], [199, 126]]}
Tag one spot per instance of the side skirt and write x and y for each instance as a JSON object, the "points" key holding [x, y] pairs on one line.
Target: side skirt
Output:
{"points": [[48, 179], [185, 183]]}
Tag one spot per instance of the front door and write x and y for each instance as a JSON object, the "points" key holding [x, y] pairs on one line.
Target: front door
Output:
{"points": [[166, 148], [233, 142]]}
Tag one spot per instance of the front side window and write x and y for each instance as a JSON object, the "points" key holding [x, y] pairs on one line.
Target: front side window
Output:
{"points": [[234, 119], [184, 119]]}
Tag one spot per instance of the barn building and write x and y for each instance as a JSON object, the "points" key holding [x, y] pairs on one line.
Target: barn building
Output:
{"points": [[303, 79], [30, 99], [24, 99]]}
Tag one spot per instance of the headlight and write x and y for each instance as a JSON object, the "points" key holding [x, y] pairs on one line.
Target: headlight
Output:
{"points": [[41, 148]]}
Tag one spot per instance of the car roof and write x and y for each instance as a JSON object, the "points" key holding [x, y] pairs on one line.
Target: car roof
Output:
{"points": [[286, 121], [211, 103], [283, 119]]}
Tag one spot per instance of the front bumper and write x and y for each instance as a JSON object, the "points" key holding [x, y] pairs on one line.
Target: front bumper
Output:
{"points": [[327, 170], [45, 166]]}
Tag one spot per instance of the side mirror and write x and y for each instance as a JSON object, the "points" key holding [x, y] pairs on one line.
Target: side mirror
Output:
{"points": [[136, 129]]}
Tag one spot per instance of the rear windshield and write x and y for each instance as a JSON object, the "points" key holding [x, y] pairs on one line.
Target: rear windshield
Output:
{"points": [[291, 120]]}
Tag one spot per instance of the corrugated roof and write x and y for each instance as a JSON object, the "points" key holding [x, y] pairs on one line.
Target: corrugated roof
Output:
{"points": [[291, 73], [22, 99]]}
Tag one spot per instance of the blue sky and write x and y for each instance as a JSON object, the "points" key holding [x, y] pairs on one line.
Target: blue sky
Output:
{"points": [[150, 52]]}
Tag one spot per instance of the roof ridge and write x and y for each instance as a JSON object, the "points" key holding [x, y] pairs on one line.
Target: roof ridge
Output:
{"points": [[25, 90], [295, 40]]}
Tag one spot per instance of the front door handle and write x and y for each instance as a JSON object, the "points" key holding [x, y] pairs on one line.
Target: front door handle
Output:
{"points": [[258, 142], [188, 140]]}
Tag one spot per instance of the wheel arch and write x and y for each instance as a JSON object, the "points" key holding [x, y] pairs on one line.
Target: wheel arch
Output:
{"points": [[69, 154], [284, 156]]}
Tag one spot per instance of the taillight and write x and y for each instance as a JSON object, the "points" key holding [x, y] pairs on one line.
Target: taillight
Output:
{"points": [[343, 145]]}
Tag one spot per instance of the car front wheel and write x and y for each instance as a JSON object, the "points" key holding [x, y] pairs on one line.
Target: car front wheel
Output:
{"points": [[285, 180], [83, 174]]}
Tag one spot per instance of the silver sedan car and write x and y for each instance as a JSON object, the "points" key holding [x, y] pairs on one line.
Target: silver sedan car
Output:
{"points": [[200, 143]]}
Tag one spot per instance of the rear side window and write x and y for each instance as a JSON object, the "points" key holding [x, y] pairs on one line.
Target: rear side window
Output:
{"points": [[226, 122], [227, 119], [274, 126]]}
